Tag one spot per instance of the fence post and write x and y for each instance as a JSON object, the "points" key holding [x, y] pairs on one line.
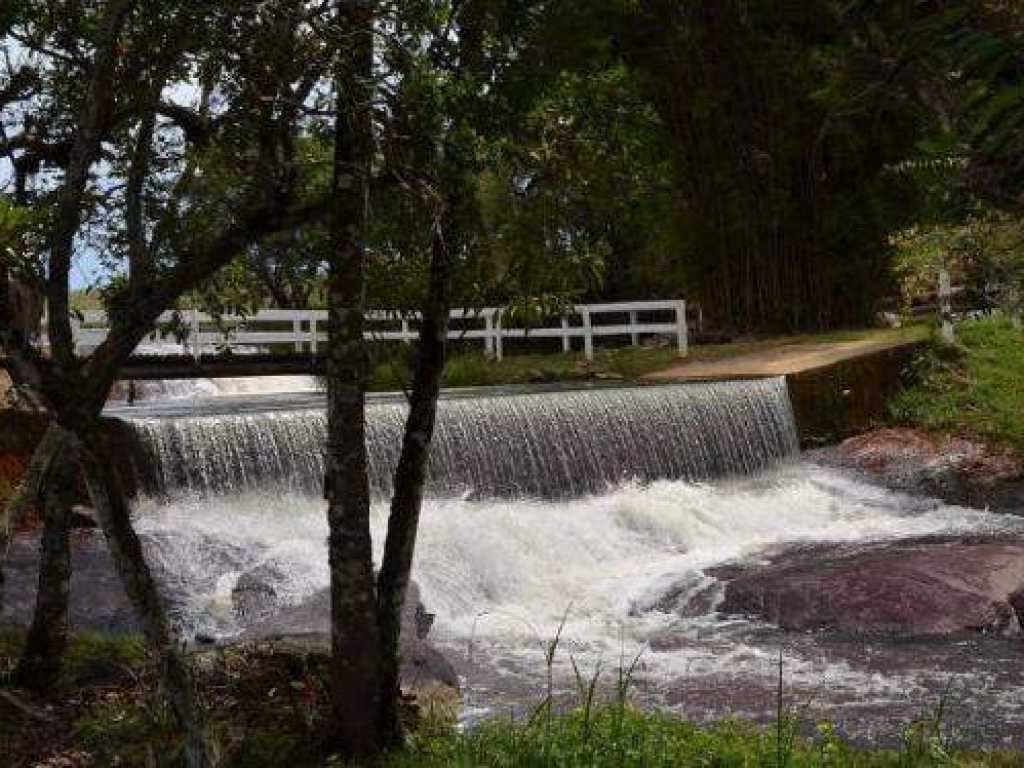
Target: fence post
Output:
{"points": [[1013, 300], [488, 334], [405, 331], [312, 331], [76, 331], [297, 330], [566, 340], [194, 331], [634, 337], [946, 306], [682, 330], [499, 346], [588, 335]]}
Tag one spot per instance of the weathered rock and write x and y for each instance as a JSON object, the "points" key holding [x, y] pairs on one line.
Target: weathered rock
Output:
{"points": [[254, 596], [420, 660], [98, 603], [935, 586], [957, 470]]}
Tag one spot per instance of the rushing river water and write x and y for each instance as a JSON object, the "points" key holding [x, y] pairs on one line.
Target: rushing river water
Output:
{"points": [[583, 509]]}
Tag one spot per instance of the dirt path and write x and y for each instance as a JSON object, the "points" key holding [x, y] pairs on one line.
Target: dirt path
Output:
{"points": [[778, 361]]}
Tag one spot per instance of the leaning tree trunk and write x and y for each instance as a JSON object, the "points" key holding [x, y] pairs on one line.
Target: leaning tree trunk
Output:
{"points": [[29, 491], [112, 510], [40, 663], [355, 686], [410, 478]]}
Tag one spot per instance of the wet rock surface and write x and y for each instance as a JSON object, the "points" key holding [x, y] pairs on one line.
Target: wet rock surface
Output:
{"points": [[931, 586], [956, 469], [98, 603]]}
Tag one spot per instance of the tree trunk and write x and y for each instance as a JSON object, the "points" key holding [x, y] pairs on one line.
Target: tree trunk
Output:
{"points": [[410, 477], [126, 551], [29, 490], [40, 663], [354, 634]]}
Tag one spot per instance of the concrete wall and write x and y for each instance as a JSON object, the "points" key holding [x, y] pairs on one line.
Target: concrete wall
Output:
{"points": [[833, 402]]}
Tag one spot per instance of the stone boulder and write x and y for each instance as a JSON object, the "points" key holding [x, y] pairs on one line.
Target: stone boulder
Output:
{"points": [[921, 587], [956, 469]]}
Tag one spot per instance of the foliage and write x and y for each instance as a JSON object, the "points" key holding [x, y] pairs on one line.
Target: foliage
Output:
{"points": [[987, 43], [618, 737], [984, 253], [391, 371], [976, 387], [267, 702], [784, 120], [14, 225], [579, 192]]}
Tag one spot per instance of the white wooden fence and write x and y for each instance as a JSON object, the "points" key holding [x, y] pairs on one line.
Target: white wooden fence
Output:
{"points": [[306, 330]]}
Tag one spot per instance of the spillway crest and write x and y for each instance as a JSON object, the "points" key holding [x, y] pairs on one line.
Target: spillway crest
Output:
{"points": [[551, 445]]}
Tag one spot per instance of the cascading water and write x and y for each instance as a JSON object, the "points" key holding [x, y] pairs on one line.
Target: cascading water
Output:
{"points": [[602, 502], [551, 445]]}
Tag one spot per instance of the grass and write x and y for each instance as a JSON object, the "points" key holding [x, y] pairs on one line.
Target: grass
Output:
{"points": [[473, 369], [267, 705], [621, 737], [975, 386]]}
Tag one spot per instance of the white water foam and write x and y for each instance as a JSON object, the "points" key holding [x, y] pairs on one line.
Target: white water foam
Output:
{"points": [[501, 575], [190, 389]]}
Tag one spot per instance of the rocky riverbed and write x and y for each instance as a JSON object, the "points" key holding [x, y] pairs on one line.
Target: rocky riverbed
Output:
{"points": [[98, 603], [956, 469]]}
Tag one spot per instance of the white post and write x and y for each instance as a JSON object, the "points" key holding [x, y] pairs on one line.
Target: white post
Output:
{"points": [[76, 328], [312, 332], [297, 330], [588, 335], [405, 331], [946, 306], [1013, 299], [634, 337], [499, 346], [488, 334], [566, 340], [194, 331], [682, 330]]}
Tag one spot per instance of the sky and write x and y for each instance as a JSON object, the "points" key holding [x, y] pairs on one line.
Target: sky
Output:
{"points": [[86, 269]]}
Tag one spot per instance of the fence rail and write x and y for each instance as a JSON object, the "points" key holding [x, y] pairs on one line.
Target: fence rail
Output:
{"points": [[306, 330]]}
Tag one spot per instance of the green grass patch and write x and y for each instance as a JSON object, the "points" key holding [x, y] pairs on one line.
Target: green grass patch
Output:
{"points": [[90, 655], [392, 369], [620, 737], [267, 706], [975, 386]]}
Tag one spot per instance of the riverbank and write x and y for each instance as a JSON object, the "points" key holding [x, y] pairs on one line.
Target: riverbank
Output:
{"points": [[956, 432], [267, 706], [974, 387]]}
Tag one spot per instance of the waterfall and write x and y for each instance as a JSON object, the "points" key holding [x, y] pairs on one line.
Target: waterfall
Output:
{"points": [[551, 445]]}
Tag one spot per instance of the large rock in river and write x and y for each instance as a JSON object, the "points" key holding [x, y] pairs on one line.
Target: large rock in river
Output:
{"points": [[956, 469], [928, 586]]}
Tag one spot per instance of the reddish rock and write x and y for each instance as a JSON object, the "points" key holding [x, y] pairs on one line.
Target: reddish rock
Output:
{"points": [[936, 586], [956, 469]]}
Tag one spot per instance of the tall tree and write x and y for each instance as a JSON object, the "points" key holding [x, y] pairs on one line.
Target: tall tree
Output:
{"points": [[184, 218], [439, 77]]}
